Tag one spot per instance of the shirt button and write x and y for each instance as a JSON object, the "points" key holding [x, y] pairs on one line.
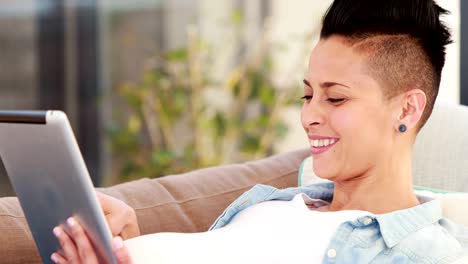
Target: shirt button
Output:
{"points": [[331, 253], [367, 221]]}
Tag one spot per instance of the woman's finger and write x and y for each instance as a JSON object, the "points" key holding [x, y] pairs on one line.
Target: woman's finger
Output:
{"points": [[132, 229], [68, 247], [85, 249], [121, 251], [58, 258]]}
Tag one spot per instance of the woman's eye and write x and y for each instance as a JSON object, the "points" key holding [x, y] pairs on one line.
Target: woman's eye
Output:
{"points": [[335, 100], [306, 97]]}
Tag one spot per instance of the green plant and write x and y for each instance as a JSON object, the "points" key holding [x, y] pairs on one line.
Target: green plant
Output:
{"points": [[175, 121]]}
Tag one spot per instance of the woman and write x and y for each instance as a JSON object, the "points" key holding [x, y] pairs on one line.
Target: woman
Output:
{"points": [[371, 84]]}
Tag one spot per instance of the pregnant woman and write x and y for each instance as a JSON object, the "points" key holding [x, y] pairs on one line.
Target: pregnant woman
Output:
{"points": [[371, 85]]}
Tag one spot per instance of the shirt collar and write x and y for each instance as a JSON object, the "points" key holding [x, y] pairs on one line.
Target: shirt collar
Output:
{"points": [[396, 225]]}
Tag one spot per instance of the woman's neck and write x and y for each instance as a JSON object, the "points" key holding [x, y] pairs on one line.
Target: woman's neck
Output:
{"points": [[385, 188]]}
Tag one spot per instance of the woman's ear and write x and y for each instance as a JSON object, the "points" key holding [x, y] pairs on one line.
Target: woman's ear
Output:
{"points": [[412, 107]]}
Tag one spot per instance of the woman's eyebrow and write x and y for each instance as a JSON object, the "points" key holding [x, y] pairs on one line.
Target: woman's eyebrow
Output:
{"points": [[325, 84], [307, 83], [330, 84]]}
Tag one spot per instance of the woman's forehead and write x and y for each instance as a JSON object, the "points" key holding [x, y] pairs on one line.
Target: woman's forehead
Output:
{"points": [[333, 60]]}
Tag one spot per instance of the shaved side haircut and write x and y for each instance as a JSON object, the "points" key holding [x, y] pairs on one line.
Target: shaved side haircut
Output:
{"points": [[404, 41]]}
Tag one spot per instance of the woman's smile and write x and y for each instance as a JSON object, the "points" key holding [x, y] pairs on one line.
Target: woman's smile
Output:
{"points": [[320, 144]]}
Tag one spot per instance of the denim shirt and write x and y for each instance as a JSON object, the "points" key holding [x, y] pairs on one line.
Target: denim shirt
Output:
{"points": [[416, 235]]}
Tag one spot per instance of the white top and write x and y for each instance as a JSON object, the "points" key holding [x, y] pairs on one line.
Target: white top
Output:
{"points": [[269, 232]]}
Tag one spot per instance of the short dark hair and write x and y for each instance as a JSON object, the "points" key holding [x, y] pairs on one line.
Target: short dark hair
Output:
{"points": [[404, 39]]}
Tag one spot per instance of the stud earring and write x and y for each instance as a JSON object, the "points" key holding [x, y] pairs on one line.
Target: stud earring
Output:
{"points": [[402, 128]]}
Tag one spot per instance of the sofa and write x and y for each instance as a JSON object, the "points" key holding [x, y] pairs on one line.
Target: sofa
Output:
{"points": [[190, 202]]}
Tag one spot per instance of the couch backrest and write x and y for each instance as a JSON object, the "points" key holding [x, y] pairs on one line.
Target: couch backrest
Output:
{"points": [[441, 150]]}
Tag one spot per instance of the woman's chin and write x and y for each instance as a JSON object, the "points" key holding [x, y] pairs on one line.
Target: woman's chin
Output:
{"points": [[324, 173]]}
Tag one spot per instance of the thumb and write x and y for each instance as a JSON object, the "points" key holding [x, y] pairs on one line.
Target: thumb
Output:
{"points": [[120, 251]]}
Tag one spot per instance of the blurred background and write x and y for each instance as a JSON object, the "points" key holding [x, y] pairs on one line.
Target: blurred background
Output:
{"points": [[158, 87]]}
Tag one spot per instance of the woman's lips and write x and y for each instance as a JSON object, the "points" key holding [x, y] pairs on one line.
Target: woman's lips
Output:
{"points": [[319, 144]]}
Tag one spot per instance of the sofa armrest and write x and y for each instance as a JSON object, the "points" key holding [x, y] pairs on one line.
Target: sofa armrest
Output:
{"points": [[188, 202]]}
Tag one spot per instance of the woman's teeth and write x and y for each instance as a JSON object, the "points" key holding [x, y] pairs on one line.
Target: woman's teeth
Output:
{"points": [[322, 142]]}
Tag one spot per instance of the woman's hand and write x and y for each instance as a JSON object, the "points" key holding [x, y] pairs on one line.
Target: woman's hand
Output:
{"points": [[120, 217], [77, 249]]}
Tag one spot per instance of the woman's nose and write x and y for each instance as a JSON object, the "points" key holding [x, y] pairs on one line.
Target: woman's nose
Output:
{"points": [[312, 115]]}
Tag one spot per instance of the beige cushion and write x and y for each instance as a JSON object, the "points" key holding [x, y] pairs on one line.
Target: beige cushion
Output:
{"points": [[15, 239], [441, 150], [181, 203]]}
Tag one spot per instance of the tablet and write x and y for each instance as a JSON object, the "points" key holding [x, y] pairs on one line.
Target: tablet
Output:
{"points": [[47, 172]]}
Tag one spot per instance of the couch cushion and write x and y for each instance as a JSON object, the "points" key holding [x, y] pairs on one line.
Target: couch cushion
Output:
{"points": [[441, 149], [16, 242]]}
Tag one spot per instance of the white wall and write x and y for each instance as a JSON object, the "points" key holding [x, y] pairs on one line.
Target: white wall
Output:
{"points": [[215, 28], [291, 22], [450, 85]]}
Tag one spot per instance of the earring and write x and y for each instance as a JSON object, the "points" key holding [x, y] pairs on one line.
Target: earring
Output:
{"points": [[402, 128]]}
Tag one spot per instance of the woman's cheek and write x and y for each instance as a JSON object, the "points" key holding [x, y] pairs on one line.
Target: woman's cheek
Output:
{"points": [[343, 119]]}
